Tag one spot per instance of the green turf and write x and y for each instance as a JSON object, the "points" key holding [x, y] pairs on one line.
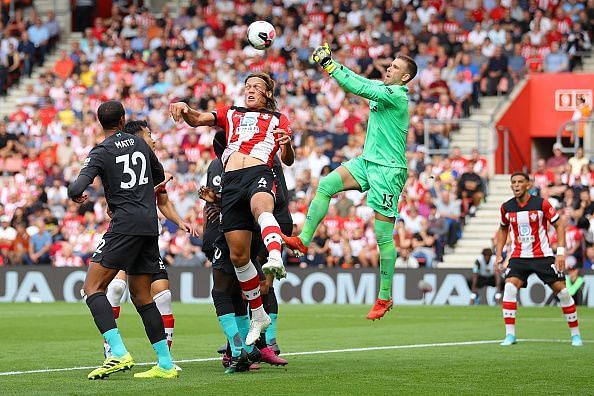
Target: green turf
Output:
{"points": [[40, 336]]}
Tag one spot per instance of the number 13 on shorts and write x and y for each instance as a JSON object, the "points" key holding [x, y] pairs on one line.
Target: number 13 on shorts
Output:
{"points": [[388, 200]]}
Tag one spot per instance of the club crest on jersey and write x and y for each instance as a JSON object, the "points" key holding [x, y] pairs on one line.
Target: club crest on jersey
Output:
{"points": [[533, 217], [265, 116]]}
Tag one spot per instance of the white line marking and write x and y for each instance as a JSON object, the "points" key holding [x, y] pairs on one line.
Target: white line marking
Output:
{"points": [[378, 348]]}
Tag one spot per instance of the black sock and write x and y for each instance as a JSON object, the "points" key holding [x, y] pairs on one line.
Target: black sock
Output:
{"points": [[272, 302], [153, 323], [222, 302], [261, 342], [239, 305], [102, 312]]}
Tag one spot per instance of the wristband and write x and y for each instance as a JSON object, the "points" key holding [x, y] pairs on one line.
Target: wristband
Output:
{"points": [[560, 251], [329, 65]]}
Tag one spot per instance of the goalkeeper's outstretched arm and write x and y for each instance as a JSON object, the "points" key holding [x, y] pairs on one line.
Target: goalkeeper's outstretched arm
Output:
{"points": [[390, 95]]}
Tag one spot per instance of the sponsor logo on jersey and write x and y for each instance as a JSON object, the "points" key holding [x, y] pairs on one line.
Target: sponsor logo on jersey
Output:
{"points": [[248, 121], [87, 160], [526, 234]]}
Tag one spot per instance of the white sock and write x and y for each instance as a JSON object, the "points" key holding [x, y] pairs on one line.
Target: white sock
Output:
{"points": [[271, 235], [570, 311], [115, 291], [509, 306]]}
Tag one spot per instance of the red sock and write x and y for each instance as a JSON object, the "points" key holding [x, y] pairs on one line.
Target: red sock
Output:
{"points": [[116, 312], [271, 234], [509, 316], [169, 324], [249, 281]]}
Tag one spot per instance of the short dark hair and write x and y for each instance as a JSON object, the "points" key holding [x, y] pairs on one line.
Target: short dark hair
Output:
{"points": [[134, 127], [110, 113], [523, 174], [411, 65]]}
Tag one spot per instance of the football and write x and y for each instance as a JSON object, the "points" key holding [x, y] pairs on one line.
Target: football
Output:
{"points": [[260, 35]]}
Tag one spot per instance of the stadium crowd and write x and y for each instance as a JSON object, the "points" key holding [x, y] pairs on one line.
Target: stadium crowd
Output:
{"points": [[465, 49]]}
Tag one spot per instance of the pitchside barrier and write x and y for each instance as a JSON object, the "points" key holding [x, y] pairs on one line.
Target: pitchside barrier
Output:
{"points": [[301, 286]]}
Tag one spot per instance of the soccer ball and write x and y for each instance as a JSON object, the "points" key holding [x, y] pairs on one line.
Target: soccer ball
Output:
{"points": [[260, 35]]}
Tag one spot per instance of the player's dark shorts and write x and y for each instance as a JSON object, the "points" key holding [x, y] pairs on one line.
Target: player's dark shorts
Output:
{"points": [[544, 268], [238, 188], [221, 259], [483, 281], [162, 274], [135, 254]]}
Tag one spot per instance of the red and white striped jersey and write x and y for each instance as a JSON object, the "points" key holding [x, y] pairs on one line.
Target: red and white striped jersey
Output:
{"points": [[528, 225], [250, 132]]}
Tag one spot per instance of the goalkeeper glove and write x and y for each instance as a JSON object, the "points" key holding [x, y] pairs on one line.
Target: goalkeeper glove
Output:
{"points": [[323, 56]]}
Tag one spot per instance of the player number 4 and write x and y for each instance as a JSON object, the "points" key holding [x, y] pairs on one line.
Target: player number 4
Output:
{"points": [[125, 159], [557, 272]]}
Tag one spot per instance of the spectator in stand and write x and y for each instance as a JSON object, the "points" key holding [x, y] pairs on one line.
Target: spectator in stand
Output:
{"points": [[7, 236], [484, 274], [471, 190], [578, 162], [39, 246], [556, 61], [558, 160], [65, 257], [461, 94], [39, 36], [517, 64], [450, 209], [405, 259], [53, 27], [495, 74], [581, 113], [543, 176], [20, 245]]}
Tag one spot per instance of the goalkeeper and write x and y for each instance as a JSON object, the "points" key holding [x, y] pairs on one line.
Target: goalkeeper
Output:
{"points": [[381, 169]]}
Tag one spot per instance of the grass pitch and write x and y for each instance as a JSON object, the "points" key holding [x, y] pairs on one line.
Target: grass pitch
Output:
{"points": [[60, 335]]}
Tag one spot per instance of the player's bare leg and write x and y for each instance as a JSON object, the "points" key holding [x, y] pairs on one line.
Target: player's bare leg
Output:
{"points": [[509, 307], [96, 282], [337, 181], [140, 293], [569, 310], [384, 229], [262, 205], [115, 290], [239, 242]]}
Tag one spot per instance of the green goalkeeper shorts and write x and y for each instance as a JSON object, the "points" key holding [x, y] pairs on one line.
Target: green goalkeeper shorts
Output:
{"points": [[384, 184]]}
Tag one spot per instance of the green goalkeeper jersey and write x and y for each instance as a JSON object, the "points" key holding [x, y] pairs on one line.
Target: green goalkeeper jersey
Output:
{"points": [[385, 143]]}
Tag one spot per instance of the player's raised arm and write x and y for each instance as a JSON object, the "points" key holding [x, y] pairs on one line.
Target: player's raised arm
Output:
{"points": [[401, 71], [194, 118]]}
